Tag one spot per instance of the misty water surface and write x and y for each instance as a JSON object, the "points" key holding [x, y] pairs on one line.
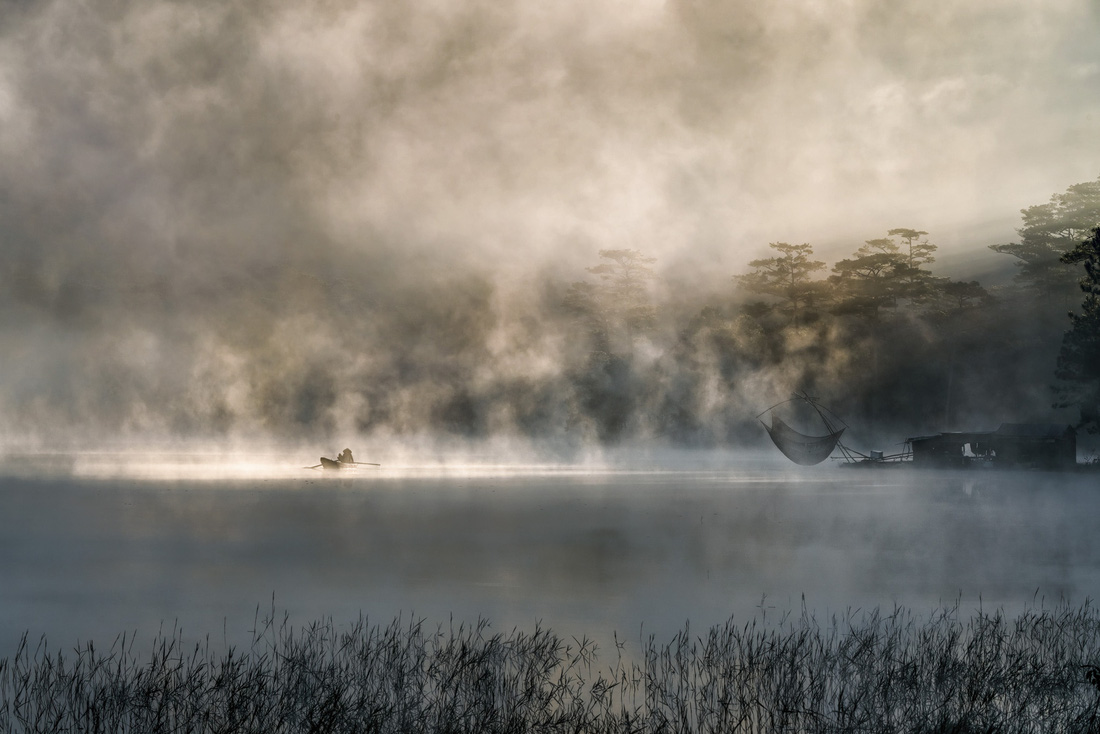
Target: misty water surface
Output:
{"points": [[584, 553]]}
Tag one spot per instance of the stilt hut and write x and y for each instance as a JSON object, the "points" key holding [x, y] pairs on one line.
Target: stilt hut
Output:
{"points": [[1015, 445]]}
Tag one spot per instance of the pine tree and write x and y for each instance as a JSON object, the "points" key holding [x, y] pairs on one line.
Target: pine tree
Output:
{"points": [[1047, 232], [786, 276], [618, 308], [918, 252], [1079, 359], [874, 277]]}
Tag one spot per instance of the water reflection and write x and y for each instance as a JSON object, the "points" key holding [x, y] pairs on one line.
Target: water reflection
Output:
{"points": [[585, 552]]}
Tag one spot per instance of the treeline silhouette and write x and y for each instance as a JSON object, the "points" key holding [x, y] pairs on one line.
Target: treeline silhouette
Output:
{"points": [[878, 335], [565, 358]]}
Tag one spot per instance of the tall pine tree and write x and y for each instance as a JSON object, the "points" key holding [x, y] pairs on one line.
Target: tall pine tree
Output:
{"points": [[1047, 232], [785, 276], [1079, 359]]}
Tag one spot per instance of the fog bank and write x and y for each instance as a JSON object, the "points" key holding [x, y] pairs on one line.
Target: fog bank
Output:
{"points": [[258, 219]]}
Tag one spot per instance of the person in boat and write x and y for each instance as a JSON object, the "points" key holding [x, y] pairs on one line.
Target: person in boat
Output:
{"points": [[344, 457]]}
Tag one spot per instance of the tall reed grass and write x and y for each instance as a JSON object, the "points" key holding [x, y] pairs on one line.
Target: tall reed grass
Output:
{"points": [[859, 672]]}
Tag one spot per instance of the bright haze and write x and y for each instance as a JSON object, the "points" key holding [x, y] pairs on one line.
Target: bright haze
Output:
{"points": [[298, 220]]}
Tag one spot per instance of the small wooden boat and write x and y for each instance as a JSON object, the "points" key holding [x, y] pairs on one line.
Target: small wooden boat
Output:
{"points": [[331, 464]]}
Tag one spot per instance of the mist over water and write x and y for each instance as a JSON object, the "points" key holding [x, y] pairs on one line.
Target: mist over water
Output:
{"points": [[580, 549], [238, 236]]}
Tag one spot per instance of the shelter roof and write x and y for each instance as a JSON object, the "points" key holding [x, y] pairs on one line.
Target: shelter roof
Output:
{"points": [[1035, 430], [1019, 430]]}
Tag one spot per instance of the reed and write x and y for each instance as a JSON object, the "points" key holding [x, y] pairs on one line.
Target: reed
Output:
{"points": [[857, 672]]}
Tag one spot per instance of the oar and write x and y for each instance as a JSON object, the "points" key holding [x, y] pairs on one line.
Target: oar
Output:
{"points": [[364, 463], [315, 466]]}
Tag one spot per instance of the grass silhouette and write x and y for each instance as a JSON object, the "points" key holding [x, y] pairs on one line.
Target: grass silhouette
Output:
{"points": [[858, 672]]}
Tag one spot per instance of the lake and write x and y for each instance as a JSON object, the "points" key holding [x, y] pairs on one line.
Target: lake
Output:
{"points": [[96, 547]]}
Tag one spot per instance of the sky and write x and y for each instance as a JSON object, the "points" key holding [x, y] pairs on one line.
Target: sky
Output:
{"points": [[203, 204]]}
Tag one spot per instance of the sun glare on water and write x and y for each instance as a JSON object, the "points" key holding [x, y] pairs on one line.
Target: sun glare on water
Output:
{"points": [[252, 465]]}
